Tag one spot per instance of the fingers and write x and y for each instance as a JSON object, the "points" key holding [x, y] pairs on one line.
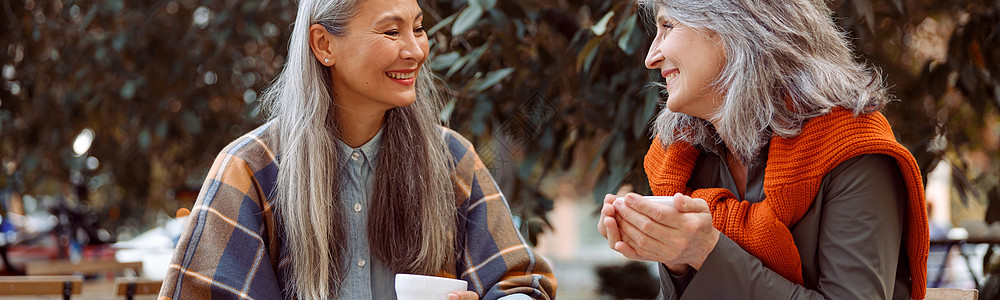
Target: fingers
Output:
{"points": [[614, 233], [614, 238], [609, 198], [627, 251], [690, 205], [645, 214], [463, 295], [606, 211], [641, 236], [639, 252]]}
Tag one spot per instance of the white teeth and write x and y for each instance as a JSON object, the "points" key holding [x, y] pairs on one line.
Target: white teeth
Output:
{"points": [[671, 77], [402, 76]]}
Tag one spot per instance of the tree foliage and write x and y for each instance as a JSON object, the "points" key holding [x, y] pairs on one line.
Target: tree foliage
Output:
{"points": [[539, 86], [164, 85], [940, 59]]}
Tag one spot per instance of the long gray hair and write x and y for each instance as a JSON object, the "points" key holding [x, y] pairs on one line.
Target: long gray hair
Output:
{"points": [[411, 223], [786, 62]]}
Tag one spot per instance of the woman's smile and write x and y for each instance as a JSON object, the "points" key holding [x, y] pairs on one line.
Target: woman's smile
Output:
{"points": [[404, 77], [669, 75]]}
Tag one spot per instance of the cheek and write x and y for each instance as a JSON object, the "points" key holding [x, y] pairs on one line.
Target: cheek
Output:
{"points": [[425, 47]]}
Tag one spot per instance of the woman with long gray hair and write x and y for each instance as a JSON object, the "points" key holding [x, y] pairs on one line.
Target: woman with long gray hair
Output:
{"points": [[352, 180], [787, 182]]}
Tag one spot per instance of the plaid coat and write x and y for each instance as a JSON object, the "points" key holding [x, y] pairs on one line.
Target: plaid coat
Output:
{"points": [[231, 248]]}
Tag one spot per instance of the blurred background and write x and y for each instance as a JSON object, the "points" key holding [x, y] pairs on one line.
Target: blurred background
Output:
{"points": [[111, 113]]}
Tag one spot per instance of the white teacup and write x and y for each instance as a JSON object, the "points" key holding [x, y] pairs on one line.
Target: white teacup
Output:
{"points": [[422, 287], [665, 200]]}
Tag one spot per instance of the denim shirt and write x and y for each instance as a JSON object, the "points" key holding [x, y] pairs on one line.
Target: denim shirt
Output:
{"points": [[366, 278]]}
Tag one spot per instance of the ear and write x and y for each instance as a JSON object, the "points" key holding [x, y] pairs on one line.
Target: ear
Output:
{"points": [[321, 43]]}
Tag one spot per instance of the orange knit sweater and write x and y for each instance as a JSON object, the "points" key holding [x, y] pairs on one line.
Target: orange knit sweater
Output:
{"points": [[795, 168]]}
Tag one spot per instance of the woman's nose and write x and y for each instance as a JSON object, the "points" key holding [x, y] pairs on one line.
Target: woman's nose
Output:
{"points": [[654, 57], [412, 49]]}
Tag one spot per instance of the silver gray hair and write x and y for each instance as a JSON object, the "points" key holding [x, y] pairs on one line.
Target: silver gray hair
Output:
{"points": [[411, 220], [786, 62]]}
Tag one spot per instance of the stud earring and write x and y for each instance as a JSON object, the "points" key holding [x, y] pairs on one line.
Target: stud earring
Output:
{"points": [[326, 60]]}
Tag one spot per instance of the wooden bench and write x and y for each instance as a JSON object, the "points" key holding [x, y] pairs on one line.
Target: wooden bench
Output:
{"points": [[129, 287], [41, 285], [951, 294], [65, 267]]}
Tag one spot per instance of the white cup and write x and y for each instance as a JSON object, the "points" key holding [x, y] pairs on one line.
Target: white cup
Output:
{"points": [[665, 200], [422, 287]]}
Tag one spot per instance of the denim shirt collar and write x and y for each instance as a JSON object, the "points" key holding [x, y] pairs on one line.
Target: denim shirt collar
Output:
{"points": [[369, 150]]}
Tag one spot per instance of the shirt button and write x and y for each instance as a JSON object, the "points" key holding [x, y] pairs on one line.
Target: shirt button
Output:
{"points": [[357, 207], [355, 155], [361, 263]]}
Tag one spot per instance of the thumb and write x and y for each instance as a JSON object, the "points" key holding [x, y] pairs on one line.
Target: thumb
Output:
{"points": [[690, 205]]}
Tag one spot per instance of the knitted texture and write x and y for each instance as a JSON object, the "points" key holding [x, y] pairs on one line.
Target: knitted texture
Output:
{"points": [[795, 168]]}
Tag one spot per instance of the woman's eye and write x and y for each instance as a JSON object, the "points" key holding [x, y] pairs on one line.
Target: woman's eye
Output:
{"points": [[419, 29], [665, 28], [393, 32]]}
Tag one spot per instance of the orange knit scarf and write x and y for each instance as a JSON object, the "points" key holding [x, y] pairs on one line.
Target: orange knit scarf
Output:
{"points": [[795, 168]]}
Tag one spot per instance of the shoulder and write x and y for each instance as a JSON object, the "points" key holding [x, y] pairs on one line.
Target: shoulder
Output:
{"points": [[255, 148], [458, 146], [466, 165], [867, 171], [826, 141], [841, 125], [866, 163], [454, 140], [247, 162]]}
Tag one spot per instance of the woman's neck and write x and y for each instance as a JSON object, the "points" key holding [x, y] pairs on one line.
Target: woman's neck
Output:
{"points": [[359, 125]]}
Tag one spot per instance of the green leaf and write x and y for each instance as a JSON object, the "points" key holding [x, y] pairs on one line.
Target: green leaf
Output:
{"points": [[646, 115], [118, 43], [587, 54], [444, 60], [481, 109], [602, 25], [473, 58], [627, 34], [446, 111], [490, 4], [457, 65], [484, 4], [128, 90], [444, 22], [470, 82], [467, 19], [492, 78]]}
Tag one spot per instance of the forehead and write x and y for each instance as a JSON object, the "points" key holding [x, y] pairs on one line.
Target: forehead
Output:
{"points": [[661, 12], [377, 10]]}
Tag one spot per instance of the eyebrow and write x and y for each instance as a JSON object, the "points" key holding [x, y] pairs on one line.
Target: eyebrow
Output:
{"points": [[396, 19]]}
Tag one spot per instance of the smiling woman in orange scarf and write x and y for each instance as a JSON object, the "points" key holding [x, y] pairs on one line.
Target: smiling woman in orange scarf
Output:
{"points": [[788, 182]]}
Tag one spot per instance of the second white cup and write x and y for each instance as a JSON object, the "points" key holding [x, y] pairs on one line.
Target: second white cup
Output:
{"points": [[422, 287], [665, 200]]}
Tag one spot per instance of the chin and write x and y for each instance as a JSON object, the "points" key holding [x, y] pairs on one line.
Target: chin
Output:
{"points": [[405, 101], [675, 106]]}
